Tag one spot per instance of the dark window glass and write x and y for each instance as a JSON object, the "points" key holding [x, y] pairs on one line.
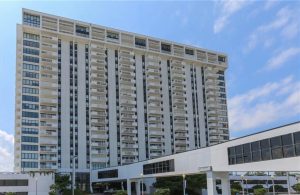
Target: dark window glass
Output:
{"points": [[31, 43], [297, 149], [264, 144], [112, 35], [256, 156], [29, 147], [247, 153], [221, 58], [266, 154], [288, 151], [239, 158], [297, 138], [276, 142], [276, 146], [31, 20], [239, 149], [82, 31], [287, 139], [231, 151], [31, 59], [140, 42], [30, 139], [189, 51], [255, 146], [165, 47]]}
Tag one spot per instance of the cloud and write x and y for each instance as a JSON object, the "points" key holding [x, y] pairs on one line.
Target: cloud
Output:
{"points": [[264, 105], [6, 151], [228, 8], [278, 60], [286, 22]]}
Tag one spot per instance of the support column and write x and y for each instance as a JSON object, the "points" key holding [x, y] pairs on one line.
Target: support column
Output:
{"points": [[128, 187], [138, 187], [225, 183], [211, 183]]}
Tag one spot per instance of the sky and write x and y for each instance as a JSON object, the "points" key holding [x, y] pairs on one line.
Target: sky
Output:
{"points": [[261, 39]]}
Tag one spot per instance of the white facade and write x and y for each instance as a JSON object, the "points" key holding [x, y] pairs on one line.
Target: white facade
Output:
{"points": [[111, 97], [26, 183], [214, 161]]}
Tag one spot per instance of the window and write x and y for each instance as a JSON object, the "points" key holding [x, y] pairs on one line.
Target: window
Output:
{"points": [[31, 20], [255, 147], [31, 59], [297, 143], [140, 42], [276, 147], [30, 114], [29, 130], [14, 182], [29, 147], [29, 164], [29, 156], [30, 106], [30, 67], [28, 122], [239, 154], [265, 149], [31, 36], [29, 139], [159, 167], [287, 145], [30, 74], [30, 98], [165, 47], [231, 154], [82, 31], [31, 43], [112, 35], [31, 51], [247, 153], [30, 82], [221, 58], [189, 51], [108, 174], [30, 90]]}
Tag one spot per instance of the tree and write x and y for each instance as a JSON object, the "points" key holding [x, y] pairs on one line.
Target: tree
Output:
{"points": [[235, 187], [260, 191], [296, 187], [259, 186], [278, 188], [61, 184], [162, 191], [194, 184]]}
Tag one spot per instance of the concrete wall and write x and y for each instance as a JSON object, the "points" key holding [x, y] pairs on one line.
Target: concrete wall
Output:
{"points": [[37, 184]]}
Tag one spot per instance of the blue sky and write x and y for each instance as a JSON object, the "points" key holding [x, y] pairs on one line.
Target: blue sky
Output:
{"points": [[261, 38]]}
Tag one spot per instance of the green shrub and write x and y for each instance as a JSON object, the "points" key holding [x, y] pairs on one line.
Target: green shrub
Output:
{"points": [[260, 191], [120, 192], [162, 191]]}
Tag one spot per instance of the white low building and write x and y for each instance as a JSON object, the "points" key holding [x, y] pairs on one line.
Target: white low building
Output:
{"points": [[26, 183], [273, 150]]}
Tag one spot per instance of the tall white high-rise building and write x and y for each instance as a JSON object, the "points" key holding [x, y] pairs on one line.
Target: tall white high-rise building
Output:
{"points": [[111, 97]]}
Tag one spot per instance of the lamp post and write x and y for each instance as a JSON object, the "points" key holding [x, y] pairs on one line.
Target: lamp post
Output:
{"points": [[183, 183], [273, 184], [73, 175], [36, 179], [246, 185], [142, 175], [242, 177]]}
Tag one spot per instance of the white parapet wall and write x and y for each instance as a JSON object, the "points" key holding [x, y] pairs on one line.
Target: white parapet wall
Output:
{"points": [[31, 183]]}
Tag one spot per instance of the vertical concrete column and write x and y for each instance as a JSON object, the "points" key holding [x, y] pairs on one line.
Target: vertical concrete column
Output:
{"points": [[128, 187], [211, 183], [225, 183], [138, 187]]}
